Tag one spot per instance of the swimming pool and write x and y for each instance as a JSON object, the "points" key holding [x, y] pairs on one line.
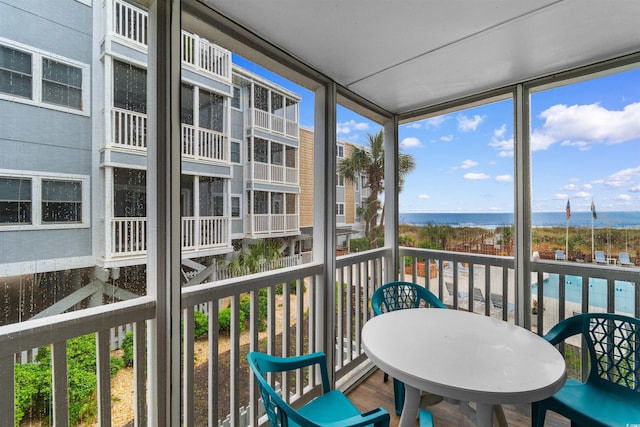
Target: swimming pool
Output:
{"points": [[597, 292]]}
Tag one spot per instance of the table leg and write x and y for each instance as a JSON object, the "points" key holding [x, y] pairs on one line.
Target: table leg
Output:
{"points": [[484, 414], [410, 408]]}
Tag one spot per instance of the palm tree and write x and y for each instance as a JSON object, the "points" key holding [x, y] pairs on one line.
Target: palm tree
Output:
{"points": [[369, 162]]}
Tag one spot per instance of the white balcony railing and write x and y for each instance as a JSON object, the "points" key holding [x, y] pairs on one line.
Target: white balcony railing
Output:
{"points": [[274, 223], [275, 124], [128, 129], [204, 144], [276, 174], [292, 324], [130, 22], [129, 235]]}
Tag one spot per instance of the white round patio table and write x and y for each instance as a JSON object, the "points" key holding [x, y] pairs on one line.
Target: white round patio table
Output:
{"points": [[463, 356]]}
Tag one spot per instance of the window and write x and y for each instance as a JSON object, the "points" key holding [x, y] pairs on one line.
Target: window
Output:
{"points": [[211, 114], [43, 201], [339, 208], [32, 76], [340, 151], [61, 84], [130, 193], [211, 196], [15, 200], [235, 207], [277, 107], [186, 104], [277, 206], [260, 205], [235, 101], [61, 201], [235, 152], [129, 87], [261, 150], [15, 72], [261, 98], [276, 153], [340, 180]]}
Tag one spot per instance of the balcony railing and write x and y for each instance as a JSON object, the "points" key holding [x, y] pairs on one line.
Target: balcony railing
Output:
{"points": [[274, 123], [128, 129], [129, 235], [274, 223], [130, 23], [293, 325], [486, 284], [204, 144], [276, 174]]}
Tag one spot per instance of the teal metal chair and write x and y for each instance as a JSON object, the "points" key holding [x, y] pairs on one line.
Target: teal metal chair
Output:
{"points": [[398, 296], [331, 408], [611, 394]]}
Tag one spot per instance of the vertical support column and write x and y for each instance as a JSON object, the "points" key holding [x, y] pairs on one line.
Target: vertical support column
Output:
{"points": [[324, 218], [163, 188], [391, 152], [522, 206]]}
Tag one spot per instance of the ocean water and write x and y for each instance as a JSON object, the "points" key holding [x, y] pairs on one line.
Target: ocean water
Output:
{"points": [[539, 219], [624, 292]]}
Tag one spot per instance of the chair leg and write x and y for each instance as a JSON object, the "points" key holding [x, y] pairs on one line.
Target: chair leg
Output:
{"points": [[398, 395], [538, 414]]}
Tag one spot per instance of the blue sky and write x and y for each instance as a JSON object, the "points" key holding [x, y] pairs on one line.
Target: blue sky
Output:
{"points": [[585, 143]]}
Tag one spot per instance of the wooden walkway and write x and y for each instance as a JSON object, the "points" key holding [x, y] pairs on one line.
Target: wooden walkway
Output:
{"points": [[374, 392]]}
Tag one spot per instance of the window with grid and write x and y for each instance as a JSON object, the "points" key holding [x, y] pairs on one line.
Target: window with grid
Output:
{"points": [[15, 200], [15, 72], [61, 84], [61, 201]]}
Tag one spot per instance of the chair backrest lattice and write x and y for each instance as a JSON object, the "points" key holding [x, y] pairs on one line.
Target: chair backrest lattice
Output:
{"points": [[402, 295], [614, 347]]}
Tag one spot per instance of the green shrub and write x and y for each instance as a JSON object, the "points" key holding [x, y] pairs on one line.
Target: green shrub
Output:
{"points": [[359, 245], [33, 381], [127, 349], [201, 324], [224, 320]]}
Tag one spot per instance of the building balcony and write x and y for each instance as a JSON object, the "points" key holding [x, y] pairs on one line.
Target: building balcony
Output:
{"points": [[275, 123], [129, 23], [128, 236], [274, 174], [294, 323], [129, 131], [270, 224]]}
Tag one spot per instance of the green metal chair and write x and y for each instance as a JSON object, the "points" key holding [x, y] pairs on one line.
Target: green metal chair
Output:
{"points": [[611, 394], [331, 408], [398, 296]]}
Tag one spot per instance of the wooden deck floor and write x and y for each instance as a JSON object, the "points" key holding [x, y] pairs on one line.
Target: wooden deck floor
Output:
{"points": [[374, 392]]}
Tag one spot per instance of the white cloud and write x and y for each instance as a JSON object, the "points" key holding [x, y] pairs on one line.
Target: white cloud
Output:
{"points": [[446, 138], [504, 178], [475, 176], [434, 122], [424, 196], [624, 178], [466, 124], [466, 164], [560, 196], [624, 197], [351, 125], [582, 195], [410, 143], [583, 125], [587, 186], [505, 146], [569, 187], [414, 125], [635, 189]]}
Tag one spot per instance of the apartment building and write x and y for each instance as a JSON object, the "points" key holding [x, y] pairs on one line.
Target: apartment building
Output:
{"points": [[84, 179]]}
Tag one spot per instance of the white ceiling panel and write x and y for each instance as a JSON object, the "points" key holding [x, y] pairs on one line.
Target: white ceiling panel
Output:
{"points": [[404, 55]]}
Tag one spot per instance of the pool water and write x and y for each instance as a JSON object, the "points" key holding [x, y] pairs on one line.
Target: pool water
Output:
{"points": [[597, 292]]}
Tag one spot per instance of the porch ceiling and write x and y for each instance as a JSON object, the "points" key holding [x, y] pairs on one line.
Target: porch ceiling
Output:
{"points": [[403, 55]]}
